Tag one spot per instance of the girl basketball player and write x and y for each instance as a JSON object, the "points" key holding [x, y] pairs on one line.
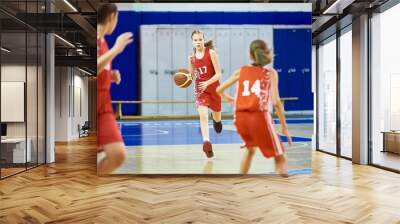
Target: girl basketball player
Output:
{"points": [[109, 137], [256, 86], [205, 69]]}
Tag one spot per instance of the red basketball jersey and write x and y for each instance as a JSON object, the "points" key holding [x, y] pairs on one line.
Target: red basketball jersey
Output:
{"points": [[253, 89], [107, 129], [103, 81], [204, 70]]}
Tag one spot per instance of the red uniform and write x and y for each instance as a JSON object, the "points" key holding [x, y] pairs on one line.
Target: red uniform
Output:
{"points": [[107, 129], [203, 71], [252, 118]]}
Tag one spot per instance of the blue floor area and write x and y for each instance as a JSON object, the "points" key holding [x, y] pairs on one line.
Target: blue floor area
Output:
{"points": [[300, 171], [296, 121], [181, 132], [297, 171]]}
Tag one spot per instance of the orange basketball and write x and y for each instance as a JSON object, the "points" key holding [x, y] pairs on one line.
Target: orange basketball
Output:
{"points": [[183, 78]]}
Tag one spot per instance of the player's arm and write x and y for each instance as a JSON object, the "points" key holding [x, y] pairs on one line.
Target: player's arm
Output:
{"points": [[228, 83], [120, 44], [217, 67], [276, 101], [106, 58], [190, 66]]}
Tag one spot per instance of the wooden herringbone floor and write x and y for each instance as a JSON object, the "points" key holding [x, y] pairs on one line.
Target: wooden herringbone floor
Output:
{"points": [[70, 192]]}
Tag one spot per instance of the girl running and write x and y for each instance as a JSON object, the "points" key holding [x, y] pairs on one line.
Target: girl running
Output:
{"points": [[109, 138], [206, 71], [256, 86]]}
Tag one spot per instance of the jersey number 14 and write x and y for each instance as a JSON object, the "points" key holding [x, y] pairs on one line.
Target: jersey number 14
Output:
{"points": [[255, 88]]}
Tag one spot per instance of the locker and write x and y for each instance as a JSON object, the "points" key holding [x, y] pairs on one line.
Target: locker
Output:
{"points": [[209, 33], [222, 40], [237, 47], [166, 48], [165, 72], [191, 107], [266, 33], [237, 50], [179, 60], [149, 72], [250, 34]]}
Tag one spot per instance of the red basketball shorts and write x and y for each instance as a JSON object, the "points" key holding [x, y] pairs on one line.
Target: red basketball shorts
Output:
{"points": [[211, 100], [107, 130], [257, 130]]}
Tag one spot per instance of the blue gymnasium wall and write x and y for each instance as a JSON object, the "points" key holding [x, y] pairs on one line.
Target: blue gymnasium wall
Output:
{"points": [[292, 50], [291, 47]]}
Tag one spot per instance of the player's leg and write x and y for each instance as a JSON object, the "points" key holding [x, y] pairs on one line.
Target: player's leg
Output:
{"points": [[281, 165], [215, 106], [246, 161], [217, 123], [203, 114], [115, 156], [202, 110]]}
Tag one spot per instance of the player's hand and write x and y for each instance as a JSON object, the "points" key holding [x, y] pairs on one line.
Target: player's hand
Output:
{"points": [[285, 131], [203, 86], [116, 77], [122, 41], [228, 98]]}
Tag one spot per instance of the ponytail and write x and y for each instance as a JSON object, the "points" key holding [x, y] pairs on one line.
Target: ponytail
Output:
{"points": [[209, 44], [261, 57], [260, 52]]}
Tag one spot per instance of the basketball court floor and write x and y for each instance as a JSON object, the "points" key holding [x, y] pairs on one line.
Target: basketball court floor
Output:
{"points": [[175, 147]]}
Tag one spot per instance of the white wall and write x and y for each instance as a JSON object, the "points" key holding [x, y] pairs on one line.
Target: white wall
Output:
{"points": [[176, 39], [13, 73], [33, 127], [80, 100], [61, 103], [82, 82], [16, 73], [71, 93]]}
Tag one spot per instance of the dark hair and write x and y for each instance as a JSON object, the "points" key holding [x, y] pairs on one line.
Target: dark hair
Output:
{"points": [[260, 53], [209, 44], [104, 11]]}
